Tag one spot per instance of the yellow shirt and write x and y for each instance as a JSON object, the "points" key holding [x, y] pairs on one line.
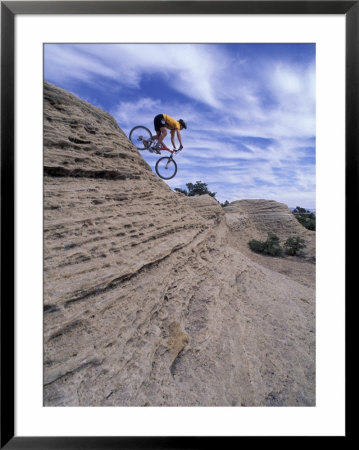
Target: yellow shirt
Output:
{"points": [[171, 123]]}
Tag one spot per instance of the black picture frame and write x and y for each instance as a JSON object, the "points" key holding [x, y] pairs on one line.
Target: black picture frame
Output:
{"points": [[9, 9]]}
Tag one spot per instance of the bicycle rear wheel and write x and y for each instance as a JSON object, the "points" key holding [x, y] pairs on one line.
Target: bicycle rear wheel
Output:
{"points": [[138, 135], [166, 168]]}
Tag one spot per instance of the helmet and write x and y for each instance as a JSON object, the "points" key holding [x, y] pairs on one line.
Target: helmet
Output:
{"points": [[183, 123]]}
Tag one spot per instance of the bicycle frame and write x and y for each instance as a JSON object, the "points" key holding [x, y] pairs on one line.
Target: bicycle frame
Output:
{"points": [[164, 147], [164, 162]]}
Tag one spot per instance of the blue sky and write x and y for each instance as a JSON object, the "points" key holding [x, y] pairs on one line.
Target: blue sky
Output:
{"points": [[250, 108]]}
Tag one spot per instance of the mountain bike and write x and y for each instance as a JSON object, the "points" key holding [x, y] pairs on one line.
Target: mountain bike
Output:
{"points": [[142, 138]]}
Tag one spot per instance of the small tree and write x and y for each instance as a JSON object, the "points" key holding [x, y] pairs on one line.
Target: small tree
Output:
{"points": [[226, 203], [198, 188], [294, 245]]}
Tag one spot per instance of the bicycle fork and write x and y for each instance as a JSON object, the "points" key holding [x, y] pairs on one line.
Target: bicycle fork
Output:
{"points": [[169, 161]]}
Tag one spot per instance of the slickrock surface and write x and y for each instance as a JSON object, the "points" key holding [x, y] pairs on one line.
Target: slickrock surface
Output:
{"points": [[152, 298], [254, 219]]}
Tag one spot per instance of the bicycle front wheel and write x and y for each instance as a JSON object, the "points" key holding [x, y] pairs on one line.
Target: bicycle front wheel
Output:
{"points": [[166, 168], [138, 135]]}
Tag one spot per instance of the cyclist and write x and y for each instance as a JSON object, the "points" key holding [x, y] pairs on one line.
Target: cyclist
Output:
{"points": [[162, 122]]}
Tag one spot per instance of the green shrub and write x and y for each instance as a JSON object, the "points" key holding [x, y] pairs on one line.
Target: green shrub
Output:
{"points": [[256, 246], [269, 247], [294, 245], [272, 246]]}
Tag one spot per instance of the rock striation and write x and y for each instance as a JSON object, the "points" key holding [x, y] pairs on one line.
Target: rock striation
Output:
{"points": [[152, 298]]}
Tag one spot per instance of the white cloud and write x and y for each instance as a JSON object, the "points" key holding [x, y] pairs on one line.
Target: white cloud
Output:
{"points": [[66, 62], [228, 99], [189, 69], [141, 112], [204, 74]]}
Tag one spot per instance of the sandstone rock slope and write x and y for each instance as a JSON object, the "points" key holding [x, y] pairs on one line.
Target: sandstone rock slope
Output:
{"points": [[152, 298]]}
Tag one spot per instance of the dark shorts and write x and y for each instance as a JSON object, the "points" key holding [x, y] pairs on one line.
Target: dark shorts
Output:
{"points": [[159, 122]]}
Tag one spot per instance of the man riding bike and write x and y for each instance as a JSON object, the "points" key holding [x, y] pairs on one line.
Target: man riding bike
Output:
{"points": [[162, 122]]}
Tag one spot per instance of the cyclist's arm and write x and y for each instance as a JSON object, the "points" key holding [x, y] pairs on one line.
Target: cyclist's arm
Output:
{"points": [[179, 138], [173, 138]]}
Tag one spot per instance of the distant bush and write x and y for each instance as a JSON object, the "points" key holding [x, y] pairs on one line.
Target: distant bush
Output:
{"points": [[305, 217], [294, 245], [256, 246], [181, 191], [272, 246], [226, 203], [269, 247]]}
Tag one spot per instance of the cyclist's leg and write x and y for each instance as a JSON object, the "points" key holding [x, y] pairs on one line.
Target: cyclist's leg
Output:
{"points": [[159, 124], [162, 135], [155, 138]]}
